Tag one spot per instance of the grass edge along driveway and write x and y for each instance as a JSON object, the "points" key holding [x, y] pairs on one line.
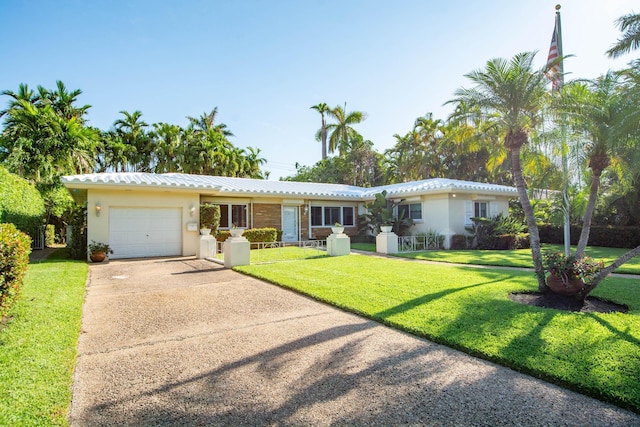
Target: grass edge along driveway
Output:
{"points": [[468, 309], [38, 344]]}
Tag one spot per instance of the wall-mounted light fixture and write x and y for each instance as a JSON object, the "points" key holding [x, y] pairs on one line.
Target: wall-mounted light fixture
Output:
{"points": [[453, 195], [98, 208], [305, 210], [192, 209]]}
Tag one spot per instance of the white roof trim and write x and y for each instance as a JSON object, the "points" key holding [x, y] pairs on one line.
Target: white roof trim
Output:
{"points": [[245, 186]]}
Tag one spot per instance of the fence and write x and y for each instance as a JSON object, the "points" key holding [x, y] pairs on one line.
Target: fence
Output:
{"points": [[268, 252], [420, 243], [37, 241]]}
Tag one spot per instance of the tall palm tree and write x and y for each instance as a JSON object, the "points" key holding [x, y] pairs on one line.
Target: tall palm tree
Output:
{"points": [[323, 109], [342, 131], [630, 27], [132, 129], [510, 93], [603, 112], [206, 122]]}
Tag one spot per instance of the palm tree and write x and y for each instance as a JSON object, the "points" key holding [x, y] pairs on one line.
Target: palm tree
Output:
{"points": [[342, 132], [206, 122], [63, 101], [132, 130], [323, 109], [602, 111], [630, 26], [510, 93]]}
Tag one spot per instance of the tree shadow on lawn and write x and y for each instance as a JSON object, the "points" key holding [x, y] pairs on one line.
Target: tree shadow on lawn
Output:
{"points": [[411, 304], [534, 350]]}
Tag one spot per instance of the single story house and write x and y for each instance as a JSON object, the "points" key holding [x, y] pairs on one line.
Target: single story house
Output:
{"points": [[146, 214]]}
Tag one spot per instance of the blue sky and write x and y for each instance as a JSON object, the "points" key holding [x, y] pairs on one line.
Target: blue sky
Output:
{"points": [[264, 63]]}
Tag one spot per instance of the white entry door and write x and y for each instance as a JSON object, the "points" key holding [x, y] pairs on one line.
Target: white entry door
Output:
{"points": [[289, 223]]}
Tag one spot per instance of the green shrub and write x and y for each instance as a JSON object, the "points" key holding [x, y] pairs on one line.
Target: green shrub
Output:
{"points": [[609, 236], [512, 241], [458, 241], [20, 203], [251, 234], [50, 235], [78, 241], [15, 247], [261, 234], [210, 217]]}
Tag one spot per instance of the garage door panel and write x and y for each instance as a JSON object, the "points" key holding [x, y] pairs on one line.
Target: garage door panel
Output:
{"points": [[145, 232]]}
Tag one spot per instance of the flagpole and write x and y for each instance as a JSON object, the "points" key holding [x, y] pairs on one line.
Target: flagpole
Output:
{"points": [[563, 135]]}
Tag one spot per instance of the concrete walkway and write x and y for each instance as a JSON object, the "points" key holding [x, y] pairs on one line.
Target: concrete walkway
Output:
{"points": [[186, 342]]}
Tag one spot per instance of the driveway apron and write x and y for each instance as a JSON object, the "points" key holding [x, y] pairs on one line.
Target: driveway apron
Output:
{"points": [[187, 342]]}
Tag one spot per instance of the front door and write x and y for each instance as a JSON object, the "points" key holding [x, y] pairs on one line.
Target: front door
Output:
{"points": [[289, 223]]}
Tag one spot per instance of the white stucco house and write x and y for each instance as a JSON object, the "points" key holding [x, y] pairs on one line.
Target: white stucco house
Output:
{"points": [[146, 214]]}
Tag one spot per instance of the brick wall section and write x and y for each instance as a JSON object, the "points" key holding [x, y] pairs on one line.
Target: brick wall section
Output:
{"points": [[270, 215], [267, 215]]}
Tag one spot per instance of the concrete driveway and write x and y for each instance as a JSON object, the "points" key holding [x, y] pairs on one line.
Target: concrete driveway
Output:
{"points": [[186, 342]]}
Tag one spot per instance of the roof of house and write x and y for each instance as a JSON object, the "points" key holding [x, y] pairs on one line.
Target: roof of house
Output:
{"points": [[244, 186]]}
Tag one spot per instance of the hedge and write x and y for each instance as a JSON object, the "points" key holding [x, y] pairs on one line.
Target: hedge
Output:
{"points": [[20, 203], [609, 236], [251, 234], [15, 247]]}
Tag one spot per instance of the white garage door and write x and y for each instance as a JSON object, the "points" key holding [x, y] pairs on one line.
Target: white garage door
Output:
{"points": [[145, 232]]}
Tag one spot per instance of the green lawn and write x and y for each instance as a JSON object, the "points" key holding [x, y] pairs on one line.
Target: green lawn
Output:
{"points": [[469, 309], [38, 344], [510, 258]]}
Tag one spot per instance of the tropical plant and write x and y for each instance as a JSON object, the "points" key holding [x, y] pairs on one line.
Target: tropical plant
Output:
{"points": [[210, 217], [96, 247], [321, 135], [569, 267], [510, 94], [630, 26], [342, 131]]}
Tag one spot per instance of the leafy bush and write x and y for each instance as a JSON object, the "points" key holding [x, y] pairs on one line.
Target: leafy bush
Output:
{"points": [[78, 242], [499, 232], [50, 235], [20, 203], [210, 217], [15, 247], [458, 241], [604, 236], [261, 234], [251, 234]]}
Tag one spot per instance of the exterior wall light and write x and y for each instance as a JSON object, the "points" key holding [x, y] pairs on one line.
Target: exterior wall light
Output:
{"points": [[192, 209], [98, 209]]}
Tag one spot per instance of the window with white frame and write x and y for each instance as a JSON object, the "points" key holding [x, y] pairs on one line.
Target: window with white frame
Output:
{"points": [[480, 210], [473, 209], [326, 216], [410, 211], [237, 215]]}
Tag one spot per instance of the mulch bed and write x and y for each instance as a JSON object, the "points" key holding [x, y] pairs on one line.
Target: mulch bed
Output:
{"points": [[560, 302]]}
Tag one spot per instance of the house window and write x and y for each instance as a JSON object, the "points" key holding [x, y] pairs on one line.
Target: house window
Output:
{"points": [[326, 216], [480, 210], [412, 211], [234, 214], [347, 216]]}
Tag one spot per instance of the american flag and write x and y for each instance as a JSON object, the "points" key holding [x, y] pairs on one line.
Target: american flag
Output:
{"points": [[554, 70]]}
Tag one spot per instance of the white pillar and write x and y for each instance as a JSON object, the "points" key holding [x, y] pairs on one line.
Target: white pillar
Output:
{"points": [[207, 247], [237, 251], [338, 244], [387, 243]]}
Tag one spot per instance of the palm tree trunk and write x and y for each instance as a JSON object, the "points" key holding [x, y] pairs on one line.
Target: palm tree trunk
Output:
{"points": [[323, 133], [534, 235], [588, 214], [609, 269]]}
